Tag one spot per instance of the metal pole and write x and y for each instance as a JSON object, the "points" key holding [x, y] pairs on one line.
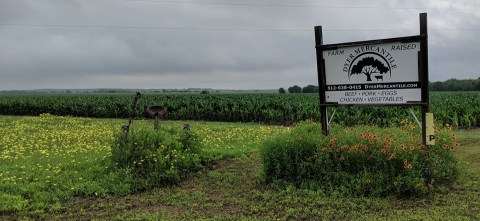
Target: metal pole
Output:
{"points": [[333, 115], [416, 119]]}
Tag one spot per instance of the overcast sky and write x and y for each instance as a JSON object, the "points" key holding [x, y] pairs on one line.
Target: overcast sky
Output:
{"points": [[221, 44]]}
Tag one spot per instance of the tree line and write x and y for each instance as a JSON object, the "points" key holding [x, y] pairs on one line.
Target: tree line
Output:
{"points": [[452, 84], [295, 89], [456, 85]]}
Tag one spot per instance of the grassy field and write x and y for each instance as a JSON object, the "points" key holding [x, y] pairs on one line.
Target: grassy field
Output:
{"points": [[57, 168]]}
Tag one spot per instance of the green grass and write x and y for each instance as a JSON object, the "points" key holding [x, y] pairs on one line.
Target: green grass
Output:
{"points": [[45, 160], [230, 189]]}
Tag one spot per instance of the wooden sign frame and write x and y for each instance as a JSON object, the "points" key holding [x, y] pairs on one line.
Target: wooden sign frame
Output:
{"points": [[422, 80]]}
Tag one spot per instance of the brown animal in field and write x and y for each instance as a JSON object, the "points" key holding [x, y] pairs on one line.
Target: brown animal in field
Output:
{"points": [[155, 112]]}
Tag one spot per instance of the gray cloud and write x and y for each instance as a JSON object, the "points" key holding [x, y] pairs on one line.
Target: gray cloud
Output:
{"points": [[145, 44]]}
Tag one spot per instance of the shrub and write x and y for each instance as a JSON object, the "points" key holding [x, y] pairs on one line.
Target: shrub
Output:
{"points": [[9, 203], [363, 160], [156, 157]]}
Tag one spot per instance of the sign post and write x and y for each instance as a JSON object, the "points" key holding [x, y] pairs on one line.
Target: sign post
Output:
{"points": [[382, 72], [423, 63], [430, 130], [321, 79]]}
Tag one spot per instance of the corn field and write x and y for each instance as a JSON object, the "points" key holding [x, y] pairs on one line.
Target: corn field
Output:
{"points": [[459, 109]]}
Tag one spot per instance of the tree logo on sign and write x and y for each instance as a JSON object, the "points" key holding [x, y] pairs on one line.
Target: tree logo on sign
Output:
{"points": [[371, 65]]}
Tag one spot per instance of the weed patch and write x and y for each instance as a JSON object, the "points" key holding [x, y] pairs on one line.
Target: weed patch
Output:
{"points": [[154, 157], [363, 160]]}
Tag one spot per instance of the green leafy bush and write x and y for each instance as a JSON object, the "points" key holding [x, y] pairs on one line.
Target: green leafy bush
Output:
{"points": [[364, 160], [11, 203], [156, 157]]}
